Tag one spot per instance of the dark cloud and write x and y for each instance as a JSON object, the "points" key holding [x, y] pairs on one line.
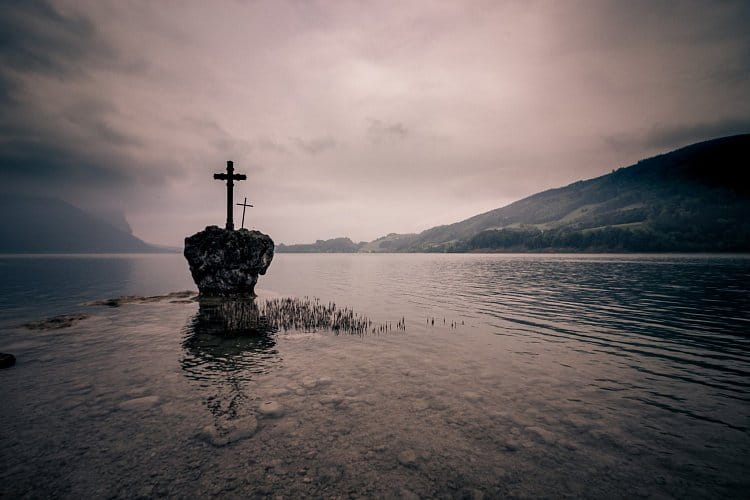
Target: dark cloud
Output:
{"points": [[670, 137], [652, 23], [271, 146], [67, 144], [226, 143], [379, 131], [681, 135], [36, 37], [38, 166], [91, 117], [315, 145], [468, 105], [89, 162]]}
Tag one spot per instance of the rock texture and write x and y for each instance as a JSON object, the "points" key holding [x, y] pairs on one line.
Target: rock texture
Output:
{"points": [[7, 360], [227, 263], [172, 297], [234, 431], [56, 322]]}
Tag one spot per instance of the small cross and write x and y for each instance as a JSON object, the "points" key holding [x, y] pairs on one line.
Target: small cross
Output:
{"points": [[230, 177], [244, 205]]}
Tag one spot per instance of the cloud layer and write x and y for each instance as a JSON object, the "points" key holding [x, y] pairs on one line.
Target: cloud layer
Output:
{"points": [[353, 119]]}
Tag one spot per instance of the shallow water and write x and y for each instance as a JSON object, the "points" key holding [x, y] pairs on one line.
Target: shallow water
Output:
{"points": [[542, 376]]}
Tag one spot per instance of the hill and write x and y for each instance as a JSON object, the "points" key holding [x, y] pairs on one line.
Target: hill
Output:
{"points": [[693, 199], [696, 198], [335, 245], [46, 225]]}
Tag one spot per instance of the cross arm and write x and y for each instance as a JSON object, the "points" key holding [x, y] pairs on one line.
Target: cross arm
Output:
{"points": [[223, 177], [239, 177]]}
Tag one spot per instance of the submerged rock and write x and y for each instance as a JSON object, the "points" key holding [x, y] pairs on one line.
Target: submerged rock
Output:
{"points": [[331, 399], [407, 458], [56, 322], [224, 262], [173, 297], [7, 360], [142, 403], [271, 409], [234, 431], [309, 382]]}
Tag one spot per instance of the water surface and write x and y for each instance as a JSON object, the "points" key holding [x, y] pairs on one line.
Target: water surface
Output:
{"points": [[542, 375]]}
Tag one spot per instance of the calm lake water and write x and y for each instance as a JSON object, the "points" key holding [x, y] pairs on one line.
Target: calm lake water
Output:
{"points": [[542, 376]]}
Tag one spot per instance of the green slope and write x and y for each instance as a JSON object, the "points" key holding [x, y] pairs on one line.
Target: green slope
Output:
{"points": [[694, 199]]}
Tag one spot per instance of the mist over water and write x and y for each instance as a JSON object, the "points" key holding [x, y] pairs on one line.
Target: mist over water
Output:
{"points": [[542, 375]]}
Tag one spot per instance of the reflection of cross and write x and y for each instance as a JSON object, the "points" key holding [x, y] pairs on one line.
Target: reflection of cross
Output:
{"points": [[244, 205], [230, 177]]}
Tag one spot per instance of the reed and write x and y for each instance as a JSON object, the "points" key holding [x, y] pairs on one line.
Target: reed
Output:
{"points": [[238, 317]]}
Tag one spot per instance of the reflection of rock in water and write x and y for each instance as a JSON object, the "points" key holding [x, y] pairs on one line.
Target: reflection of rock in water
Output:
{"points": [[227, 343], [230, 317]]}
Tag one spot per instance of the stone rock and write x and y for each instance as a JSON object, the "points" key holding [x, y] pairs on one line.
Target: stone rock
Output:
{"points": [[309, 382], [274, 464], [142, 403], [512, 445], [237, 431], [242, 429], [543, 434], [57, 322], [407, 458], [271, 409], [7, 360], [405, 494], [173, 297], [331, 399], [330, 475], [471, 396], [421, 405], [210, 435], [225, 263], [81, 389], [472, 494]]}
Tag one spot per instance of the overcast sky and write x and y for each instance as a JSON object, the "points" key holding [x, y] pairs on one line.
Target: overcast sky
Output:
{"points": [[353, 118]]}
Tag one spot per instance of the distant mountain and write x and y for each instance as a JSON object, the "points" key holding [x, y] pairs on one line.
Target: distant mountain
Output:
{"points": [[335, 245], [694, 199], [393, 242], [46, 225]]}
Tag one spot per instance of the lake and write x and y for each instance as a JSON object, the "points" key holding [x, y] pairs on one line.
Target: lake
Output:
{"points": [[592, 376]]}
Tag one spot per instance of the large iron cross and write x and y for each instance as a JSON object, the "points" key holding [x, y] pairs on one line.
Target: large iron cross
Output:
{"points": [[230, 177]]}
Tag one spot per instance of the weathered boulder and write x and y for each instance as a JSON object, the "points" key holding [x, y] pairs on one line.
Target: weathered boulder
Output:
{"points": [[227, 263], [7, 360], [56, 322]]}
